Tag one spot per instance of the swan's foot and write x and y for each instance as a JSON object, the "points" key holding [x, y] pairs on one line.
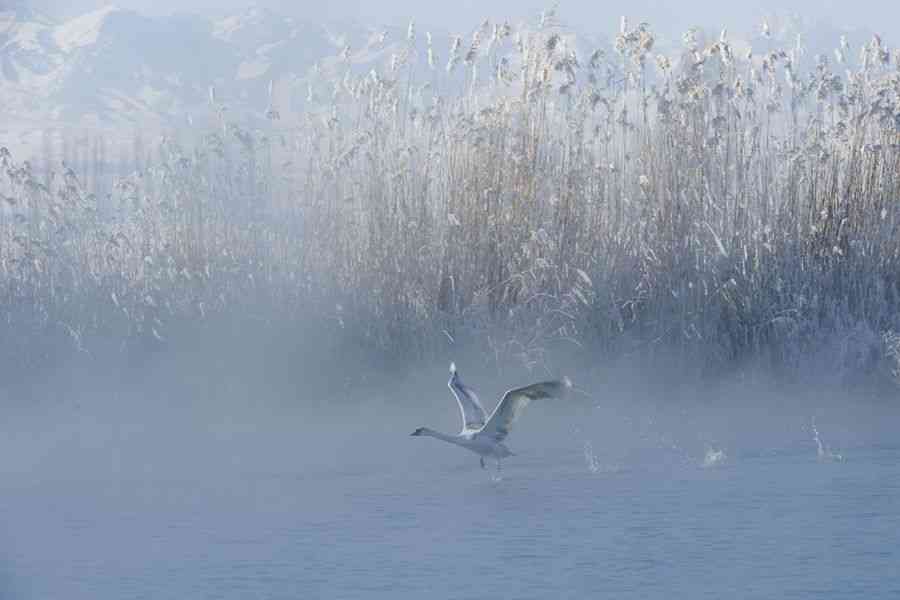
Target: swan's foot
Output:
{"points": [[482, 462]]}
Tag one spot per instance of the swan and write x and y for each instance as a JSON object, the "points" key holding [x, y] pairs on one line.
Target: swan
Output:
{"points": [[484, 435]]}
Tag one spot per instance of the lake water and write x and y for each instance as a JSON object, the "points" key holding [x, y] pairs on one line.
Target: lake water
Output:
{"points": [[625, 504]]}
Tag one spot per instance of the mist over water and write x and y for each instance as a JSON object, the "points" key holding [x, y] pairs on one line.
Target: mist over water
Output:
{"points": [[166, 483], [210, 367]]}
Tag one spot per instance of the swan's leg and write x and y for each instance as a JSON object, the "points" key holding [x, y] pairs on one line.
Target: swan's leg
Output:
{"points": [[482, 462], [498, 466]]}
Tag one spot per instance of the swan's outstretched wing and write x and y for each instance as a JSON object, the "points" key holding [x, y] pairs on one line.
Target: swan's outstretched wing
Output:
{"points": [[473, 415], [514, 402]]}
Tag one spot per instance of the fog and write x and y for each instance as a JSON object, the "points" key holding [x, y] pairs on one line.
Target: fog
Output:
{"points": [[180, 416], [588, 17], [223, 412], [259, 463], [214, 471], [211, 361]]}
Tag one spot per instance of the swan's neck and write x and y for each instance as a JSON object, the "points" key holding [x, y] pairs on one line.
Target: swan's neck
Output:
{"points": [[453, 439]]}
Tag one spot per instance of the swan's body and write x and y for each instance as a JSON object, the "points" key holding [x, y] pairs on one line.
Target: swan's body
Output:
{"points": [[484, 435]]}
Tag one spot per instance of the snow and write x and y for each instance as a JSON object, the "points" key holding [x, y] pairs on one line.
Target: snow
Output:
{"points": [[84, 30], [251, 69], [22, 29], [227, 28], [107, 66]]}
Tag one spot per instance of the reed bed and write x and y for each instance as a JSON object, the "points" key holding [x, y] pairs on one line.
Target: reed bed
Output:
{"points": [[712, 207]]}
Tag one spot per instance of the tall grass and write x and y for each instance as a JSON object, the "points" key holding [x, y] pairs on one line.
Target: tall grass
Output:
{"points": [[714, 206]]}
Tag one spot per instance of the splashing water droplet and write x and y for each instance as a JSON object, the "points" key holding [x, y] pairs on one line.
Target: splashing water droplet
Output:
{"points": [[591, 460], [823, 452], [714, 457]]}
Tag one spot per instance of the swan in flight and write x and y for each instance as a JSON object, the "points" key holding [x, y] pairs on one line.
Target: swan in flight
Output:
{"points": [[484, 435]]}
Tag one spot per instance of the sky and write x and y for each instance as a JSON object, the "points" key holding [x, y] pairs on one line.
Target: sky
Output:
{"points": [[593, 16]]}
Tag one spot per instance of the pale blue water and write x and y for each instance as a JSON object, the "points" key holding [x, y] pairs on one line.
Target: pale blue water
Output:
{"points": [[147, 511]]}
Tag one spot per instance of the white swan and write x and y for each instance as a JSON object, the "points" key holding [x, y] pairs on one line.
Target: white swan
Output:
{"points": [[484, 436]]}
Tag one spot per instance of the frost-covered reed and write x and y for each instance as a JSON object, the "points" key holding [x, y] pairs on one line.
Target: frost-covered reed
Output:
{"points": [[717, 205]]}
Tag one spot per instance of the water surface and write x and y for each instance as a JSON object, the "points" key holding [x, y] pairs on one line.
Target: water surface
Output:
{"points": [[615, 505]]}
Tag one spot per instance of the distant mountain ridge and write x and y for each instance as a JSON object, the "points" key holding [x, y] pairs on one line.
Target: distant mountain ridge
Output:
{"points": [[114, 71], [114, 68]]}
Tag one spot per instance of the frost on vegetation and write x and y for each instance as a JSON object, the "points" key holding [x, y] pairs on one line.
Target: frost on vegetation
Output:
{"points": [[713, 202], [892, 355]]}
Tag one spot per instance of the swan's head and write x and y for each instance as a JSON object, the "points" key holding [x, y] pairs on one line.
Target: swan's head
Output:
{"points": [[419, 431]]}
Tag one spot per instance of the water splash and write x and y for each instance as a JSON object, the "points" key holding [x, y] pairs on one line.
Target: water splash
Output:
{"points": [[592, 464], [714, 457], [823, 452]]}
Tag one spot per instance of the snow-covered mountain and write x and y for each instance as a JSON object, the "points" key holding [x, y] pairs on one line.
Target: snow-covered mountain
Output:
{"points": [[114, 70]]}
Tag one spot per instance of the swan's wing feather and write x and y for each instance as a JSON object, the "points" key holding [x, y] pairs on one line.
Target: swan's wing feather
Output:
{"points": [[473, 415], [514, 402]]}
